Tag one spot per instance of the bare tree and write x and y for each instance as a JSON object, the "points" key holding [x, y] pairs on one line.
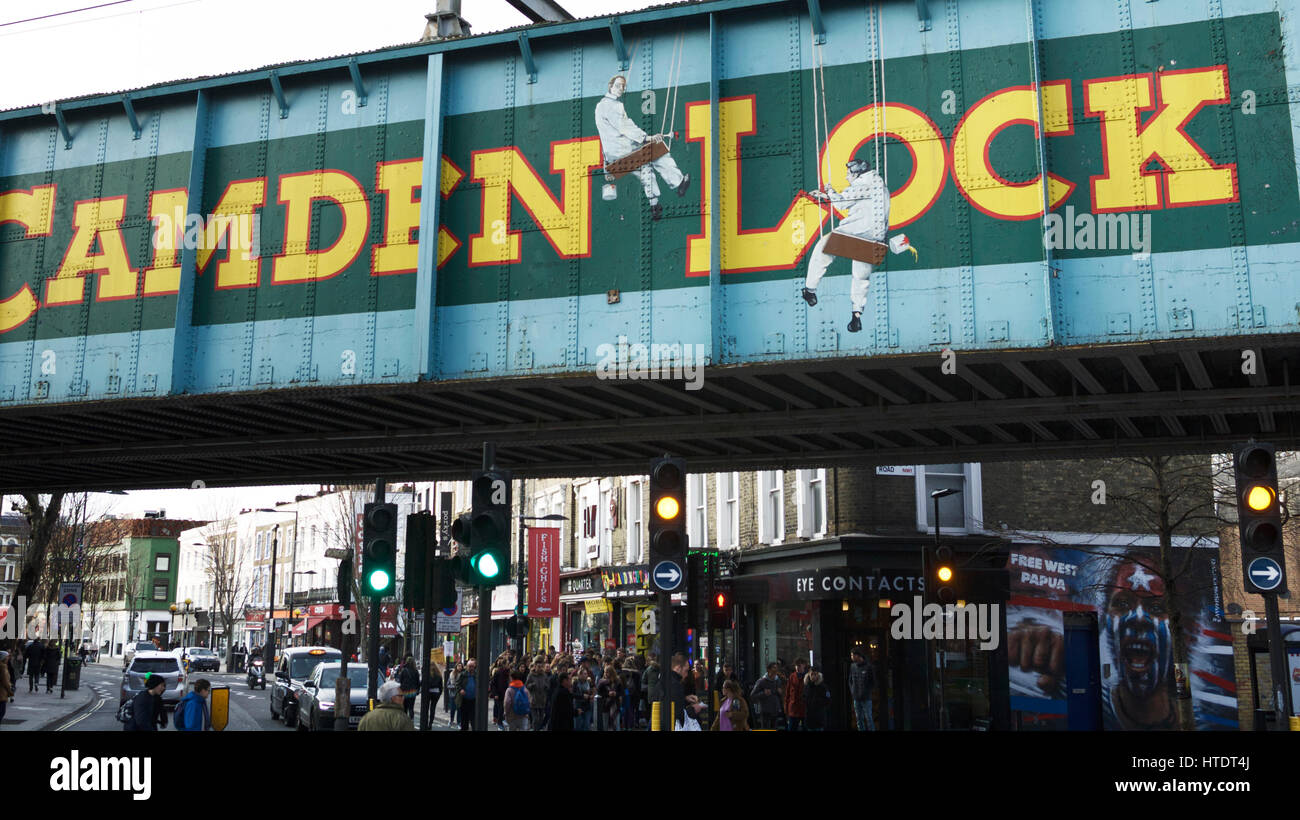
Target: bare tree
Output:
{"points": [[42, 514], [224, 565], [79, 547]]}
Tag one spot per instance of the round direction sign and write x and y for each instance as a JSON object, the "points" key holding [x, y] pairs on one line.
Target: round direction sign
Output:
{"points": [[668, 575], [1265, 574]]}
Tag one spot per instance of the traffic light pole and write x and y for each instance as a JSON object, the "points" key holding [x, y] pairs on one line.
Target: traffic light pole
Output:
{"points": [[372, 650], [426, 711], [484, 627], [1277, 658], [665, 660]]}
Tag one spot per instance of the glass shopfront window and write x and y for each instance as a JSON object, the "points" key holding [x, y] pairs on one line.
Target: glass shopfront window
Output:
{"points": [[793, 623]]}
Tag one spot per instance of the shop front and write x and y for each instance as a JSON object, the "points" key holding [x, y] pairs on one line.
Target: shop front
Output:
{"points": [[820, 601], [579, 590], [624, 588]]}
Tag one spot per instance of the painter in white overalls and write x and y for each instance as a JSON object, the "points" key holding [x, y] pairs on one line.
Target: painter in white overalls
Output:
{"points": [[619, 136], [866, 202]]}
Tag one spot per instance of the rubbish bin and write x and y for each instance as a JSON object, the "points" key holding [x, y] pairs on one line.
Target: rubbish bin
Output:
{"points": [[72, 674]]}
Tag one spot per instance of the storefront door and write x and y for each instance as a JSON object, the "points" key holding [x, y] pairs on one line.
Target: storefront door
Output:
{"points": [[875, 646]]}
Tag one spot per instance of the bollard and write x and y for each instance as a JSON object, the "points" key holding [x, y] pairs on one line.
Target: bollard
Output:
{"points": [[220, 708], [1295, 723]]}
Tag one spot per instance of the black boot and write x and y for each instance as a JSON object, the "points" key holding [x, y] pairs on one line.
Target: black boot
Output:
{"points": [[686, 183], [810, 296], [656, 211], [855, 324]]}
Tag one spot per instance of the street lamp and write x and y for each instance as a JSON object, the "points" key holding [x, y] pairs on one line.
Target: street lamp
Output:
{"points": [[270, 615], [292, 582], [943, 712]]}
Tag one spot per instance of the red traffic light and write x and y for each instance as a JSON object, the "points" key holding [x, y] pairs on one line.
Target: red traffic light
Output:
{"points": [[720, 600]]}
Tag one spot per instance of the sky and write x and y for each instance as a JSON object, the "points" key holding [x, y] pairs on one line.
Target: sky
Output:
{"points": [[133, 43]]}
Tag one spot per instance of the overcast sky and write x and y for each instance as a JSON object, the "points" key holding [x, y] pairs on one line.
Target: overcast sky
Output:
{"points": [[143, 42], [132, 43]]}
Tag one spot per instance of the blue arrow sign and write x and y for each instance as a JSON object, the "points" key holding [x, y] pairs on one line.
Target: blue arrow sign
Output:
{"points": [[667, 575], [1265, 573]]}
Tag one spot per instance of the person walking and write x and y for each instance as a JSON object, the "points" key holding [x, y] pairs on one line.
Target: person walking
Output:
{"points": [[562, 708], [516, 704], [766, 697], [862, 680], [501, 680], [35, 664], [609, 690], [434, 691], [794, 702], [539, 685], [148, 714], [468, 694], [6, 684], [51, 665], [408, 677], [817, 701], [733, 713], [452, 703], [192, 714], [582, 692], [390, 715]]}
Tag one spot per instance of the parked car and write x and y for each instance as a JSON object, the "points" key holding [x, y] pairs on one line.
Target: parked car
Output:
{"points": [[202, 659], [138, 646], [144, 664], [316, 700], [292, 667]]}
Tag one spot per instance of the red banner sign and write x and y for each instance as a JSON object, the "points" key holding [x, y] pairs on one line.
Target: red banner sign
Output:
{"points": [[544, 572], [388, 621]]}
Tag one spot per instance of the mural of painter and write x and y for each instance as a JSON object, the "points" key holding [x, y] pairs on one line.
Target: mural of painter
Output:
{"points": [[628, 149], [859, 236], [1140, 683]]}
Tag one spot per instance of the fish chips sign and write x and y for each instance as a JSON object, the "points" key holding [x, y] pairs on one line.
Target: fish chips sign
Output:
{"points": [[543, 572]]}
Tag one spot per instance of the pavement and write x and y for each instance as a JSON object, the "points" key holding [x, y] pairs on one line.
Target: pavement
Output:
{"points": [[40, 711]]}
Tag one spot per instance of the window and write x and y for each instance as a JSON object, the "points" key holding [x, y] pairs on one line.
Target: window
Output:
{"points": [[557, 508], [697, 511], [589, 544], [959, 512], [771, 506], [635, 515], [160, 591], [812, 503], [728, 510], [605, 531], [163, 562]]}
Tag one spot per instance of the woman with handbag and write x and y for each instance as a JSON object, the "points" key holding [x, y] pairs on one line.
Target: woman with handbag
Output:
{"points": [[733, 713]]}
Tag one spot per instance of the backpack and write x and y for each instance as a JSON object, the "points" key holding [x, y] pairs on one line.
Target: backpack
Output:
{"points": [[521, 705], [178, 720], [126, 712]]}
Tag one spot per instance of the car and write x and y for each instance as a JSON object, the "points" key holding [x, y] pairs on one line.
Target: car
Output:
{"points": [[201, 659], [138, 646], [316, 700], [293, 666], [142, 665]]}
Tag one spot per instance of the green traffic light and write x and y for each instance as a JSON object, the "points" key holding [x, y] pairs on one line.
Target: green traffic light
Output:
{"points": [[379, 580], [486, 565]]}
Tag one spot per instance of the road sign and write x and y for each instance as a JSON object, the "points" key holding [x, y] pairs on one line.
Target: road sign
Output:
{"points": [[668, 576], [1265, 574], [70, 593], [449, 618]]}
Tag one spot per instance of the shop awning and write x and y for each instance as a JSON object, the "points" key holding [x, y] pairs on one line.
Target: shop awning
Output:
{"points": [[302, 626]]}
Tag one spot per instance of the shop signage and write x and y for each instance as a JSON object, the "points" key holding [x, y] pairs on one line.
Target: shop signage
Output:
{"points": [[896, 471], [597, 606], [388, 621], [573, 586], [620, 578], [543, 572], [851, 583], [328, 611]]}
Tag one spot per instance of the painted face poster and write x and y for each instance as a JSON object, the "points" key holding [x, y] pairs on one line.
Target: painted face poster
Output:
{"points": [[1140, 681]]}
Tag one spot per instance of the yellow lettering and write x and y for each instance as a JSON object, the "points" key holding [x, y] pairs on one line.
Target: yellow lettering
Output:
{"points": [[399, 182], [34, 210], [240, 267], [1190, 176], [567, 227], [987, 190], [297, 191], [96, 221], [167, 210]]}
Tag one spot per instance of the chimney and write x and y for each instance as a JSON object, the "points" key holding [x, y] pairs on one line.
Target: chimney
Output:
{"points": [[445, 23]]}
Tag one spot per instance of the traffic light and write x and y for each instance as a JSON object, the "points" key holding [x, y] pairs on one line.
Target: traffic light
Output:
{"points": [[668, 523], [1259, 518], [720, 606], [420, 533], [489, 528], [445, 573], [379, 549], [943, 573], [345, 583], [516, 626]]}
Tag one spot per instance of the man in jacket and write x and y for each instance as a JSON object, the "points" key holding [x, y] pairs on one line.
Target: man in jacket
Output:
{"points": [[192, 714], [794, 704], [862, 681], [35, 663], [680, 668], [515, 721], [765, 697], [6, 685], [500, 682], [562, 709], [539, 692], [51, 665], [148, 714], [389, 715], [468, 695]]}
